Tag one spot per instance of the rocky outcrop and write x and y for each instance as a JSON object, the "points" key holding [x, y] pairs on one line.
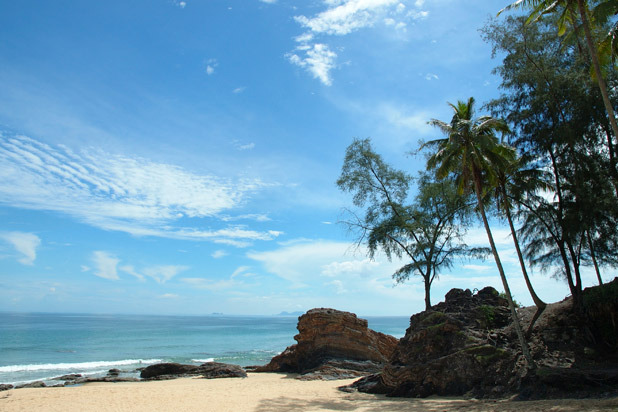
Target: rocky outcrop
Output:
{"points": [[467, 346], [209, 370], [333, 343], [450, 350]]}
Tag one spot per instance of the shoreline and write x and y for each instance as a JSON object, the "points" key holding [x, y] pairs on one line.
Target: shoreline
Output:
{"points": [[259, 392]]}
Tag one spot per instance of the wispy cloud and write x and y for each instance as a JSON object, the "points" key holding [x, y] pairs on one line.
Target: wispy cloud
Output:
{"points": [[131, 271], [164, 273], [218, 254], [25, 244], [317, 58], [340, 18], [105, 265], [121, 193], [211, 65]]}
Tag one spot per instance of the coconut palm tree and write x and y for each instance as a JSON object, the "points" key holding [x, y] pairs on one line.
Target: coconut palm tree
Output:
{"points": [[472, 153]]}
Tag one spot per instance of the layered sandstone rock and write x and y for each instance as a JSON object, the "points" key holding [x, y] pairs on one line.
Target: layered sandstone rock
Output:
{"points": [[333, 343]]}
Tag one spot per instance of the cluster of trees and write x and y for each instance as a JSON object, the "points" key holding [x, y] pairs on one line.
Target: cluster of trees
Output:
{"points": [[544, 160]]}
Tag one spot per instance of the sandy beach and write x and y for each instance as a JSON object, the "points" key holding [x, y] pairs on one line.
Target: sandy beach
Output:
{"points": [[264, 392]]}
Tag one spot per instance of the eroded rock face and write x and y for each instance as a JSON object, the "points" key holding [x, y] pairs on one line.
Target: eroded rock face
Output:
{"points": [[327, 339], [449, 350]]}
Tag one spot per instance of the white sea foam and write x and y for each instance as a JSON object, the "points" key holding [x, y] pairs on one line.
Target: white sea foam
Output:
{"points": [[76, 366], [203, 360]]}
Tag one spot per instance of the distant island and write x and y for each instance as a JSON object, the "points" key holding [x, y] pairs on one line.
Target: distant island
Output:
{"points": [[297, 313]]}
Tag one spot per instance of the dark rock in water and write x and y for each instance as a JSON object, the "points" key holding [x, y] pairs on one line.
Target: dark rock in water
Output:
{"points": [[70, 377], [37, 384], [161, 369], [327, 336], [113, 372], [5, 387], [208, 370], [212, 370]]}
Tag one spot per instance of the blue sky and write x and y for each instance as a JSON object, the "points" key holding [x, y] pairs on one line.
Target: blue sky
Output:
{"points": [[180, 157]]}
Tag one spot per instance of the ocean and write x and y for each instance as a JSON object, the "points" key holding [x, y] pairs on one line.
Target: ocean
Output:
{"points": [[41, 346]]}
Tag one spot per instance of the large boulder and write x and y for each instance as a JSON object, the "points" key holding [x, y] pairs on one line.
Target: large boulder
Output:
{"points": [[467, 345], [333, 343], [452, 349]]}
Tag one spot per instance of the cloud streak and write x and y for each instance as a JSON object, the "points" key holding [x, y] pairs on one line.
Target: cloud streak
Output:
{"points": [[25, 245], [120, 193], [106, 265]]}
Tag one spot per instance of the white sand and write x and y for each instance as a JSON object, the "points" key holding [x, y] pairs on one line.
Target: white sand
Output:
{"points": [[263, 392]]}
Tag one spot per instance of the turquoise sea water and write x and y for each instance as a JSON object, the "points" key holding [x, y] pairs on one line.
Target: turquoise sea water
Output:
{"points": [[43, 346]]}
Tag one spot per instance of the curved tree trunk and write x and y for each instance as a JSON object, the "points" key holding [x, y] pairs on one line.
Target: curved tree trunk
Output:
{"points": [[540, 305], [505, 284]]}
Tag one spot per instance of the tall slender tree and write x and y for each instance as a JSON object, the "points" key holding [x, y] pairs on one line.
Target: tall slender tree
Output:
{"points": [[566, 9], [512, 184], [559, 121], [471, 151], [424, 229]]}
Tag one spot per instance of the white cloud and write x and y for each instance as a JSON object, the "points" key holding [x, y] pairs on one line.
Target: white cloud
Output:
{"points": [[24, 243], [164, 273], [340, 18], [105, 265], [431, 76], [218, 254], [478, 268], [360, 267], [307, 261], [318, 60], [131, 271], [181, 4], [339, 288], [239, 90], [404, 117], [248, 146], [211, 65], [346, 17], [169, 296], [116, 192], [478, 237], [269, 1]]}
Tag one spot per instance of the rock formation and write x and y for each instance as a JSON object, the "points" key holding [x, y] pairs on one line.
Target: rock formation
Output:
{"points": [[207, 370], [467, 346], [333, 344]]}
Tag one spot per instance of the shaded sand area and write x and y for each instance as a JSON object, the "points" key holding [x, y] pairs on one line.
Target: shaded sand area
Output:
{"points": [[263, 392]]}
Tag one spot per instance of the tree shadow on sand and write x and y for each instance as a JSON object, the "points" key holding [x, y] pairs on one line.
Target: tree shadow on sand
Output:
{"points": [[382, 404]]}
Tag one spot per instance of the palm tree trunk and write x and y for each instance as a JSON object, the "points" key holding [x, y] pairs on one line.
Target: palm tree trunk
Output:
{"points": [[594, 57], [593, 256], [505, 284], [540, 305]]}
